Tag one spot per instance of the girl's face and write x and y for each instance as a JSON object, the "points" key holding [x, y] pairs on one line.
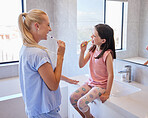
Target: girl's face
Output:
{"points": [[96, 39], [44, 28]]}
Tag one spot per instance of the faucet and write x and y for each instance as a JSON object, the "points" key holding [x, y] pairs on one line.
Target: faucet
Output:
{"points": [[127, 70]]}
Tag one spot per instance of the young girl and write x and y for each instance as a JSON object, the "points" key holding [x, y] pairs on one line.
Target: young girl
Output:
{"points": [[101, 56]]}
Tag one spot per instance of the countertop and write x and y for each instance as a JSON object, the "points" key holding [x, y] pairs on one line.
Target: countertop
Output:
{"points": [[135, 103]]}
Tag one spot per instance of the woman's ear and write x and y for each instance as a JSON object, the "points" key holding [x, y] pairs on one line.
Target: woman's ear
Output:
{"points": [[103, 40], [36, 25]]}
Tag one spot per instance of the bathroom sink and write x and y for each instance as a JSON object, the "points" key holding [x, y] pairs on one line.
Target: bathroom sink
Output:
{"points": [[120, 89]]}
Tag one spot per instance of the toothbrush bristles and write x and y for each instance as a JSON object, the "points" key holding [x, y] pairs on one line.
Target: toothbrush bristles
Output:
{"points": [[87, 42], [52, 37]]}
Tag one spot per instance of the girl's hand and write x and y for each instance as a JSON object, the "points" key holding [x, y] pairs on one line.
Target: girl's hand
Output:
{"points": [[104, 97], [61, 47], [72, 81], [83, 46]]}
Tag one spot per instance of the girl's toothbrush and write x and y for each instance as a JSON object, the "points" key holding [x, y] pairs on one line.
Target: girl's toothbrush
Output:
{"points": [[87, 42]]}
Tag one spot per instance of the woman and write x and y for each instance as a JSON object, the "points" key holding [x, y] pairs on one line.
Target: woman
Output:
{"points": [[39, 80]]}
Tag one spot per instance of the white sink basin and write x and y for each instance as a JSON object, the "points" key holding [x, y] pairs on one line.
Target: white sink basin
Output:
{"points": [[123, 89]]}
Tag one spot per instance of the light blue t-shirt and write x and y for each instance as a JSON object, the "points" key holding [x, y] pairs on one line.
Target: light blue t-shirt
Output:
{"points": [[38, 98]]}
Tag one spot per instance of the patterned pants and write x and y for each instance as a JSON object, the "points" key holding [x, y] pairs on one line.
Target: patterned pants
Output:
{"points": [[84, 95]]}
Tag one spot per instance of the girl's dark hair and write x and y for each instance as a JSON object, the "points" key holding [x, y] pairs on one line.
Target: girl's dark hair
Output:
{"points": [[105, 32]]}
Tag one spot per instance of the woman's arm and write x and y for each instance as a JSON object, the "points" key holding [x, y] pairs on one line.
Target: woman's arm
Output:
{"points": [[109, 64], [50, 77]]}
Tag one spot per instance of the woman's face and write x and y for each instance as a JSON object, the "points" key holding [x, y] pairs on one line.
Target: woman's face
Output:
{"points": [[96, 39], [44, 28]]}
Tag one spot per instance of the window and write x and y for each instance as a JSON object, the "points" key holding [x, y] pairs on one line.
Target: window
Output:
{"points": [[89, 13], [10, 39], [116, 17]]}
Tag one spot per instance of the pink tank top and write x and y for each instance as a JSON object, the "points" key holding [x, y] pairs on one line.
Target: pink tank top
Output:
{"points": [[98, 70]]}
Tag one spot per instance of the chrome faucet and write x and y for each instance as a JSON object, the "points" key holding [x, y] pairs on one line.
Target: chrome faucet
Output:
{"points": [[127, 70]]}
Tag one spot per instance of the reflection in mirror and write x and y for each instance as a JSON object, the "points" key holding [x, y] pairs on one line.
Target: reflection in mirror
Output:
{"points": [[134, 27], [146, 62], [137, 60]]}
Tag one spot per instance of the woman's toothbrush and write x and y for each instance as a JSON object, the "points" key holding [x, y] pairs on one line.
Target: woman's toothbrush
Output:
{"points": [[52, 37], [87, 42]]}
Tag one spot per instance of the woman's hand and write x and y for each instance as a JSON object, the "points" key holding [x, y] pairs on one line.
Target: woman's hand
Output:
{"points": [[66, 79], [61, 48], [104, 97], [72, 81]]}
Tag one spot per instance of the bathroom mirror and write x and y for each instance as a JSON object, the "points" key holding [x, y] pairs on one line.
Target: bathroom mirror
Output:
{"points": [[134, 32]]}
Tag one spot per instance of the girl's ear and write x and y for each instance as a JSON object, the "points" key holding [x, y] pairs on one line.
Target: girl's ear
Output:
{"points": [[103, 40]]}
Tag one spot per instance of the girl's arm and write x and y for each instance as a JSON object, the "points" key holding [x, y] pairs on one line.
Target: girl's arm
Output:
{"points": [[66, 79], [109, 64], [83, 60]]}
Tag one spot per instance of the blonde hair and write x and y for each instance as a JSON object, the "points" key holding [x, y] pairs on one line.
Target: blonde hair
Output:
{"points": [[24, 21]]}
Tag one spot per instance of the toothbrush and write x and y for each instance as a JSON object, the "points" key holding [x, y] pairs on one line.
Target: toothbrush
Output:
{"points": [[87, 42], [52, 37]]}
